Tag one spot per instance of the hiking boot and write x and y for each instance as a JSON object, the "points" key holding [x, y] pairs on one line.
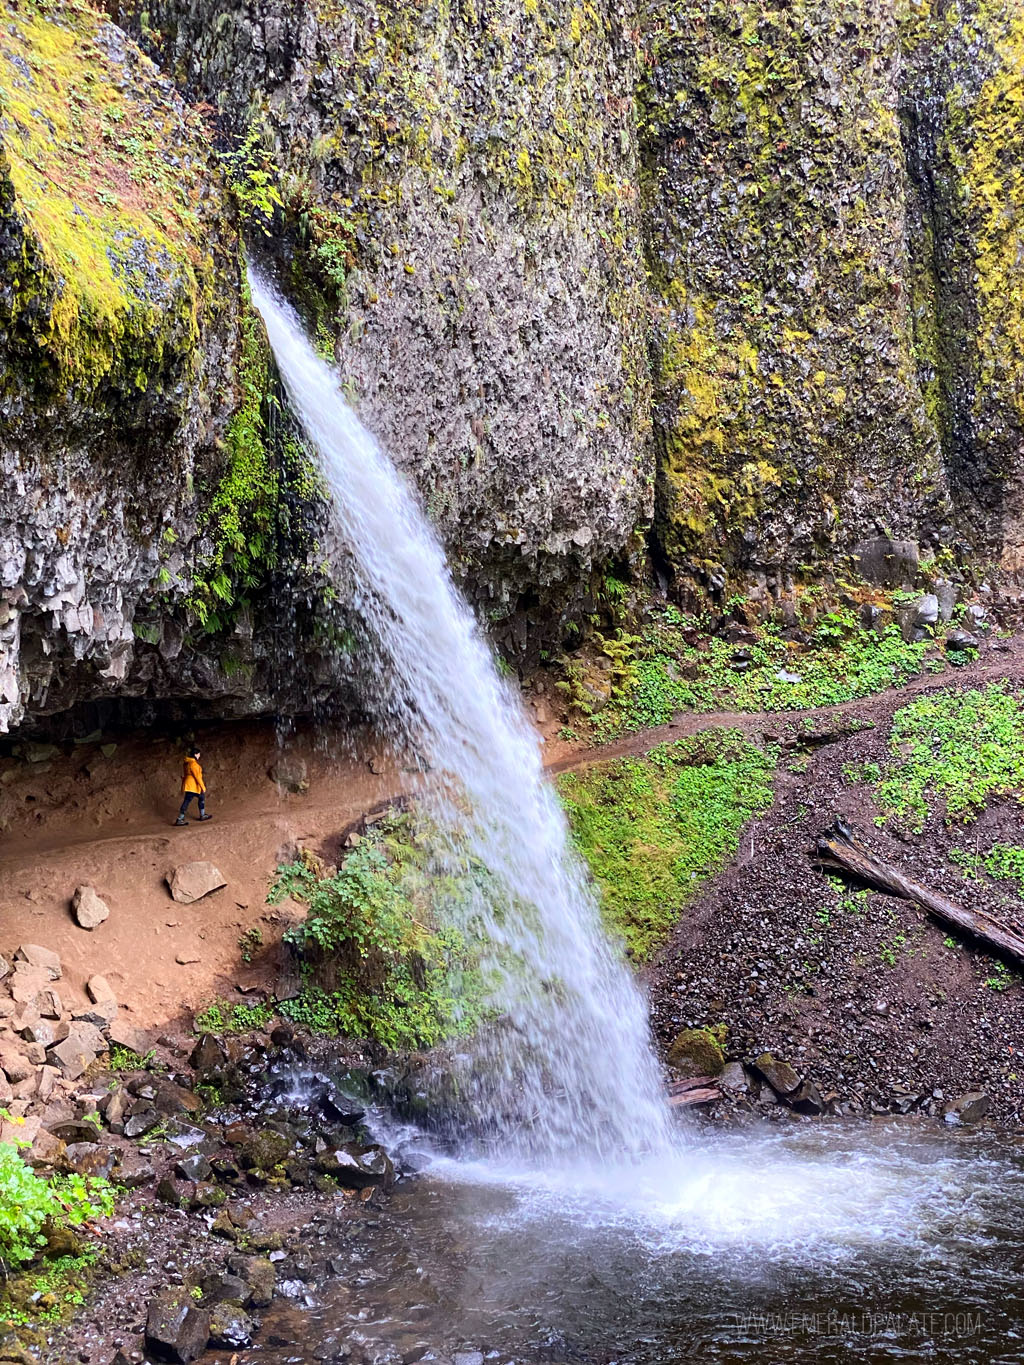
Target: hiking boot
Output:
{"points": [[181, 820], [206, 817]]}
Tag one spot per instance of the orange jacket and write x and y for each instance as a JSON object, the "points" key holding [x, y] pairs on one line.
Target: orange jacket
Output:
{"points": [[192, 781]]}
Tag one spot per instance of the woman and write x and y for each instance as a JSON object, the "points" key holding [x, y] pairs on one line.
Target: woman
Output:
{"points": [[192, 784]]}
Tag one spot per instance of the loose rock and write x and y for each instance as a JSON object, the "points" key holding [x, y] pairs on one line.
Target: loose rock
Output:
{"points": [[192, 881], [89, 909]]}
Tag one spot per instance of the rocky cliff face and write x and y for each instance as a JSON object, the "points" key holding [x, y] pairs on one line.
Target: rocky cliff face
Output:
{"points": [[462, 219], [737, 279]]}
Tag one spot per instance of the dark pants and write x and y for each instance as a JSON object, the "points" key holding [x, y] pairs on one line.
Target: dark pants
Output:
{"points": [[187, 800]]}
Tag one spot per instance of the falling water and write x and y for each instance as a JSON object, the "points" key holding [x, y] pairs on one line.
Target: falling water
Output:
{"points": [[571, 1072]]}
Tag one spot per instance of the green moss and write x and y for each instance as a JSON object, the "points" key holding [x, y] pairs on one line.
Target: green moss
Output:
{"points": [[772, 267], [241, 517], [698, 1051], [107, 180], [653, 829], [959, 748]]}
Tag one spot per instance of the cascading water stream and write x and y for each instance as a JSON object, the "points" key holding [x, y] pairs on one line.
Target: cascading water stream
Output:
{"points": [[571, 1073]]}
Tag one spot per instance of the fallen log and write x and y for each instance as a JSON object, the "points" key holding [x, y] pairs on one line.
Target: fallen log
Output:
{"points": [[687, 1098], [841, 848]]}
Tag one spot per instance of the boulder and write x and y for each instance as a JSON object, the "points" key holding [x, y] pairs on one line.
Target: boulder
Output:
{"points": [[733, 1076], [225, 1288], [140, 1122], [88, 1158], [35, 956], [101, 1014], [779, 1075], [192, 881], [920, 618], [290, 773], [88, 908], [45, 1033], [49, 1004], [258, 1273], [177, 1329], [357, 1168], [697, 1052], [806, 1099], [13, 1061], [194, 1168], [126, 1035], [230, 1327], [27, 983], [133, 1170], [959, 640], [5, 968]]}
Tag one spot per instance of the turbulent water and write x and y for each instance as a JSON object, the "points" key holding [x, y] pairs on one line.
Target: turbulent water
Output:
{"points": [[570, 1072], [814, 1244]]}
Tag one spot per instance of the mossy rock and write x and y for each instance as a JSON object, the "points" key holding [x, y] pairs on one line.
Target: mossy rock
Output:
{"points": [[698, 1051], [265, 1150]]}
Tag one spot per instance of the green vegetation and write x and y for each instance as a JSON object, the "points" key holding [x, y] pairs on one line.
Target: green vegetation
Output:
{"points": [[960, 747], [662, 671], [47, 1296], [31, 1203], [654, 829], [223, 1016], [380, 956]]}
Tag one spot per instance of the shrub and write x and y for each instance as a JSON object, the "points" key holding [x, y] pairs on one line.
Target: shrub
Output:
{"points": [[28, 1200]]}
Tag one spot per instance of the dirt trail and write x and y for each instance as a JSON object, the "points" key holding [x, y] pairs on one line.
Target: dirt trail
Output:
{"points": [[85, 816]]}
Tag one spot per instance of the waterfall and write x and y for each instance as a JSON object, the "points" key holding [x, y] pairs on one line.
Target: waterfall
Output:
{"points": [[571, 1072]]}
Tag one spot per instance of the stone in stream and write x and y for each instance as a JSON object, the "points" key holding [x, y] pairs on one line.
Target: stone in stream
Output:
{"points": [[222, 1287], [192, 881], [177, 1329], [34, 956], [968, 1108], [779, 1075], [89, 909], [806, 1099], [357, 1168]]}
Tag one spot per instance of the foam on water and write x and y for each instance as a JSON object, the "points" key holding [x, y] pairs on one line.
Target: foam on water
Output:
{"points": [[571, 1069]]}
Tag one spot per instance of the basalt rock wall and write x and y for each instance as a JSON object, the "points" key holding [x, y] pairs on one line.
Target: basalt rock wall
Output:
{"points": [[738, 281]]}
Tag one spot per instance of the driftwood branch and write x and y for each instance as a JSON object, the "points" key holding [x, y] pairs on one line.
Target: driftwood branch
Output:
{"points": [[841, 848]]}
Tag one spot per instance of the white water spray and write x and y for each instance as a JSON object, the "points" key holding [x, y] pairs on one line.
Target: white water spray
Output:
{"points": [[572, 1071]]}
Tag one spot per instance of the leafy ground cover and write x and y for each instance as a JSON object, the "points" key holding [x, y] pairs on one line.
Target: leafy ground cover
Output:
{"points": [[653, 829], [380, 955], [953, 751], [668, 667]]}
